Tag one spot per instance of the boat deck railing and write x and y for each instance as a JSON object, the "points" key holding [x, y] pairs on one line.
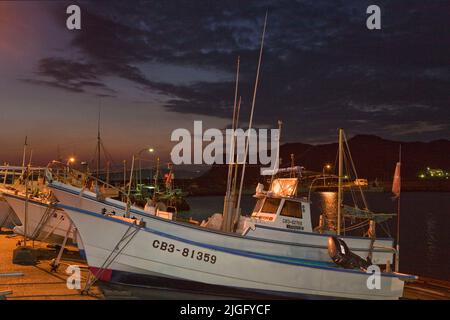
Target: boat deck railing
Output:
{"points": [[58, 171]]}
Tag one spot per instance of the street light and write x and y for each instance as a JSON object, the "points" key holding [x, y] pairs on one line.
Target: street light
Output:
{"points": [[150, 150], [70, 160], [327, 167]]}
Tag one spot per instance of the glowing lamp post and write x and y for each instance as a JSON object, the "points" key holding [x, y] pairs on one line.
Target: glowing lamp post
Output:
{"points": [[326, 167]]}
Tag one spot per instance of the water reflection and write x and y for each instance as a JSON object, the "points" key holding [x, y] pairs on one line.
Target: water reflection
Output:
{"points": [[329, 209], [431, 238], [425, 239]]}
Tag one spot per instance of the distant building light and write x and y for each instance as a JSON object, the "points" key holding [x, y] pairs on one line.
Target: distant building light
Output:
{"points": [[432, 173]]}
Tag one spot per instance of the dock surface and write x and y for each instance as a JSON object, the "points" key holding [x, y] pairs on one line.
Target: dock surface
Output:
{"points": [[38, 282], [427, 289]]}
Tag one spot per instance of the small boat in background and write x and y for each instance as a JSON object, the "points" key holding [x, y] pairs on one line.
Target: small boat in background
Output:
{"points": [[44, 221], [8, 218], [32, 203]]}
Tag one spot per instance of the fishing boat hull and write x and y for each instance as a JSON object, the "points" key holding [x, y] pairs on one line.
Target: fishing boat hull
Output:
{"points": [[8, 218], [311, 246], [115, 246], [44, 223]]}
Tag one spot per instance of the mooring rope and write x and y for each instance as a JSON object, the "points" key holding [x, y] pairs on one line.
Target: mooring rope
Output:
{"points": [[44, 219], [92, 278]]}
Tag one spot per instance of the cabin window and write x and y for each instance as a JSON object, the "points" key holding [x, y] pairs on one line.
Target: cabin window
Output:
{"points": [[270, 205], [291, 209]]}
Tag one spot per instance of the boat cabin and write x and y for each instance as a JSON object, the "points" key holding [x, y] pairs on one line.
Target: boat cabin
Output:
{"points": [[281, 208]]}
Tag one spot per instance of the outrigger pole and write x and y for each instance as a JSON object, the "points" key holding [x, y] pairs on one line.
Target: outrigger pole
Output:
{"points": [[251, 117]]}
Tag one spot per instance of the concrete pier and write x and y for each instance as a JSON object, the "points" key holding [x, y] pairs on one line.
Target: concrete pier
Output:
{"points": [[19, 282]]}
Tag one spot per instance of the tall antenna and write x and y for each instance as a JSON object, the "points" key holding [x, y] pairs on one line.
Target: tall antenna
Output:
{"points": [[233, 126], [24, 153], [98, 140], [397, 258], [251, 115], [277, 159]]}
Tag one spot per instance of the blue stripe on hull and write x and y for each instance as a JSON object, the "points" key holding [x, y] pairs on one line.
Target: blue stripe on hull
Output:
{"points": [[82, 254]]}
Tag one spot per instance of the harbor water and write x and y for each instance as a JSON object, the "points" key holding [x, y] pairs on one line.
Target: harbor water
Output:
{"points": [[424, 224]]}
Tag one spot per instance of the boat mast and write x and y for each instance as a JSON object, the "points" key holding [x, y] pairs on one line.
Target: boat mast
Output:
{"points": [[397, 256], [228, 201], [156, 189], [251, 120], [236, 165], [108, 164], [98, 143], [24, 154], [124, 173], [25, 225], [340, 173], [233, 126], [235, 178]]}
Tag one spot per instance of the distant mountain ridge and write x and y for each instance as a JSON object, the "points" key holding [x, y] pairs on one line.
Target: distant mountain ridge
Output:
{"points": [[374, 158]]}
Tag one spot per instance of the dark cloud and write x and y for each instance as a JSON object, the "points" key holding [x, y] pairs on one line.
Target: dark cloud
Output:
{"points": [[55, 84], [322, 68], [70, 75]]}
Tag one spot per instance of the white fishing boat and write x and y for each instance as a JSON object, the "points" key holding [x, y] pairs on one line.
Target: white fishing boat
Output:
{"points": [[8, 218], [44, 221], [31, 202], [280, 223], [120, 250], [313, 246]]}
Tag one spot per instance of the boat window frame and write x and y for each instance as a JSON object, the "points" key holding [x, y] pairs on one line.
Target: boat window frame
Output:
{"points": [[277, 209], [299, 205], [257, 208]]}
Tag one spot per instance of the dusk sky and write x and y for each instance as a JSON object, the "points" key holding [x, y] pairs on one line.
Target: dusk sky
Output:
{"points": [[155, 66]]}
